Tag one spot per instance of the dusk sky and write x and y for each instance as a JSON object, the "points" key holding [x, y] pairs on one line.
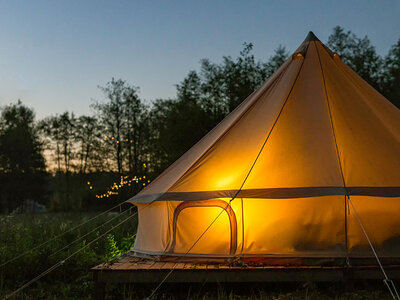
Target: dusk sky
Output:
{"points": [[54, 54]]}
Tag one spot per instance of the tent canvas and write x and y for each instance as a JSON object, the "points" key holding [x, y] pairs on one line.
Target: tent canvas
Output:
{"points": [[276, 176]]}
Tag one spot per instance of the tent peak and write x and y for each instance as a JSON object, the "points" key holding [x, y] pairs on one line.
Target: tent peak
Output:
{"points": [[311, 37]]}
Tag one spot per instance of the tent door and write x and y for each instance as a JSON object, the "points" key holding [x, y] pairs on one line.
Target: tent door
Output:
{"points": [[212, 203]]}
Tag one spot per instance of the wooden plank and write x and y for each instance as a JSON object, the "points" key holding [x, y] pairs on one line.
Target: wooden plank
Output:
{"points": [[180, 266], [169, 265], [150, 265]]}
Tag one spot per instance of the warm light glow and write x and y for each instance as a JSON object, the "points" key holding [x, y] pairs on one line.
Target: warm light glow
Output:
{"points": [[297, 55], [124, 181]]}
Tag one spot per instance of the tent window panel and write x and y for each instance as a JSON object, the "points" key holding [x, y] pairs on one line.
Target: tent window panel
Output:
{"points": [[299, 227]]}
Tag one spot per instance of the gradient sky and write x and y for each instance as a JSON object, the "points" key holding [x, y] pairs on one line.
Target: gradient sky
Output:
{"points": [[54, 54]]}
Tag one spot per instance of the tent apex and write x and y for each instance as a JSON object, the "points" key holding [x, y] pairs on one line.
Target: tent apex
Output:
{"points": [[311, 37]]}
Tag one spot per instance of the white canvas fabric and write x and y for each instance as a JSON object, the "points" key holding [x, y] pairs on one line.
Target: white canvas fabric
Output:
{"points": [[272, 177]]}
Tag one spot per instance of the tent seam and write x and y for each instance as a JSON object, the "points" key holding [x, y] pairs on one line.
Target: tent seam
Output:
{"points": [[337, 154], [358, 88], [273, 126]]}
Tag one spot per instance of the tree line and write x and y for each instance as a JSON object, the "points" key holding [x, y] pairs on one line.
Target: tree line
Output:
{"points": [[68, 161]]}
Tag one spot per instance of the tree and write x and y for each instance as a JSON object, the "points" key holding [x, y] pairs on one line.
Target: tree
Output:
{"points": [[88, 140], [111, 116], [358, 53], [391, 75], [124, 120], [59, 134], [135, 131], [177, 123], [22, 165], [276, 60], [241, 76], [223, 86]]}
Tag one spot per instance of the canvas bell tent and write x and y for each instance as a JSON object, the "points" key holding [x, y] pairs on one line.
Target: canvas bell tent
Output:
{"points": [[286, 174]]}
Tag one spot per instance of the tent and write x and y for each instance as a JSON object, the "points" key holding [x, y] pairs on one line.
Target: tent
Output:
{"points": [[286, 174]]}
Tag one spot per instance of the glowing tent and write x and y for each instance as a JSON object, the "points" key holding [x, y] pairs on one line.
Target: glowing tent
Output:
{"points": [[279, 175]]}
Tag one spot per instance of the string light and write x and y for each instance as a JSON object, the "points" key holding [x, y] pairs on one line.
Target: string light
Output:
{"points": [[118, 141], [124, 181]]}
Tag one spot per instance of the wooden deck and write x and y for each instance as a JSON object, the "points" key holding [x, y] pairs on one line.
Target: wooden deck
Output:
{"points": [[130, 269]]}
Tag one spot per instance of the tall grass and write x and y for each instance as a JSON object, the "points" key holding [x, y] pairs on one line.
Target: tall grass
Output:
{"points": [[21, 233]]}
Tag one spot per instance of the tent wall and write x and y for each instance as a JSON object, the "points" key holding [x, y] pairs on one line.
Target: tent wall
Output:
{"points": [[381, 220], [298, 227], [153, 227]]}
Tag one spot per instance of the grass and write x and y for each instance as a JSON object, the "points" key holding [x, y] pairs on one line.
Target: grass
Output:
{"points": [[21, 233]]}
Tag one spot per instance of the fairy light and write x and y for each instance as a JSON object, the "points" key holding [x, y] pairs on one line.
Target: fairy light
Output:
{"points": [[123, 182]]}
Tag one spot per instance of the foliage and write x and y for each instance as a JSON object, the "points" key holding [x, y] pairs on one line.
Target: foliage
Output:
{"points": [[22, 166], [124, 120], [358, 53], [22, 233], [112, 250], [391, 75]]}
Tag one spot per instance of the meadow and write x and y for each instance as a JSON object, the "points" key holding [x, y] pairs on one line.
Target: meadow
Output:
{"points": [[22, 233]]}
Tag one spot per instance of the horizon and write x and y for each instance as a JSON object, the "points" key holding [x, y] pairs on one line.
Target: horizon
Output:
{"points": [[55, 55]]}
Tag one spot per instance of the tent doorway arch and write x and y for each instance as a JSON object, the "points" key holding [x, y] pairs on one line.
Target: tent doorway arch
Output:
{"points": [[207, 204]]}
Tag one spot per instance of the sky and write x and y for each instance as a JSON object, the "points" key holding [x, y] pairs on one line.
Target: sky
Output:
{"points": [[55, 54]]}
